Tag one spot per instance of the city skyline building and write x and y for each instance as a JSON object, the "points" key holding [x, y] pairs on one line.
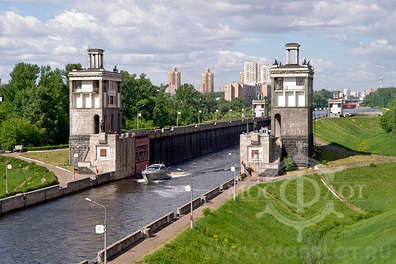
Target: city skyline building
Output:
{"points": [[174, 80], [232, 91], [255, 72], [207, 85]]}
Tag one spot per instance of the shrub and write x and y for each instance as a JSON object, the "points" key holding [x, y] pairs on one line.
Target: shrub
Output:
{"points": [[206, 211], [61, 146], [324, 162], [289, 165], [373, 165]]}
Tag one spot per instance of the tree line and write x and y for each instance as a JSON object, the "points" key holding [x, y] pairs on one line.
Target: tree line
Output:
{"points": [[380, 98], [35, 108]]}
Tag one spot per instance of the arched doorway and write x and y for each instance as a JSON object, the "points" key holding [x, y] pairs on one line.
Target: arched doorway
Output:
{"points": [[277, 125], [96, 124]]}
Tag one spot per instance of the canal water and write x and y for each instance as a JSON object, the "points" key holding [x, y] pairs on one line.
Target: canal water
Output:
{"points": [[63, 230]]}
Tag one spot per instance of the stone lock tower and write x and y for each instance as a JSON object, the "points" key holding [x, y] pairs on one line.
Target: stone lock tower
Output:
{"points": [[291, 114], [95, 104]]}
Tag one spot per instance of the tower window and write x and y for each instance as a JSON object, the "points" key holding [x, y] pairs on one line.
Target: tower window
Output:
{"points": [[111, 100], [279, 84], [76, 85], [300, 81], [105, 86]]}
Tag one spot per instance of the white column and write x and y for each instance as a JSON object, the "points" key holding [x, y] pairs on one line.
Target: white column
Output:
{"points": [[287, 56]]}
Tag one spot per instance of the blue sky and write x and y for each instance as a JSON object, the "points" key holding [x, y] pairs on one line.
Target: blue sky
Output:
{"points": [[350, 43]]}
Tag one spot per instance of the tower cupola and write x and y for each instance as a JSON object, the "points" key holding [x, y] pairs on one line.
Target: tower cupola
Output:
{"points": [[95, 58]]}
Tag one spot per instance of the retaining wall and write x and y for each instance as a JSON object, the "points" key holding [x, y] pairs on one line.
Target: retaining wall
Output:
{"points": [[185, 209], [12, 203], [157, 225], [27, 199], [227, 184], [211, 194], [121, 246]]}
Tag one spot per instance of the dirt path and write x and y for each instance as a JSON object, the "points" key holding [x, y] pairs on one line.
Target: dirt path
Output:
{"points": [[340, 197]]}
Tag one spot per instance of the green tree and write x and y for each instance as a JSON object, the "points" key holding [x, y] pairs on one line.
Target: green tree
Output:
{"points": [[15, 131], [163, 112], [321, 97], [381, 98]]}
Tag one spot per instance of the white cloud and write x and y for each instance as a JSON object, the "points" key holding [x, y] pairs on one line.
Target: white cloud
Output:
{"points": [[152, 36]]}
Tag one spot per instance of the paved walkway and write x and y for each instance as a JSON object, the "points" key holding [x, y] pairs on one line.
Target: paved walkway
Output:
{"points": [[64, 176]]}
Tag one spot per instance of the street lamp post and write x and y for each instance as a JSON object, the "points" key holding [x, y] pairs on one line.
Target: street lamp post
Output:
{"points": [[105, 227], [137, 119], [257, 172], [8, 167], [177, 119], [199, 112], [230, 114], [234, 191], [217, 111], [138, 115]]}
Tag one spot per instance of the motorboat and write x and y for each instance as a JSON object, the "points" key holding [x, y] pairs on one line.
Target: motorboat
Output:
{"points": [[156, 172]]}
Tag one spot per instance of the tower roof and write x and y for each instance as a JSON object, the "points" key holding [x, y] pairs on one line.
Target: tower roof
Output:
{"points": [[95, 50], [292, 45]]}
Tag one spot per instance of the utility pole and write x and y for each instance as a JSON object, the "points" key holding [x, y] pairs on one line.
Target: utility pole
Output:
{"points": [[177, 119], [191, 217]]}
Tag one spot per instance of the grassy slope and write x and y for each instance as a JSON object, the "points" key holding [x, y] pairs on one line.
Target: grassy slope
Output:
{"points": [[233, 233], [23, 176], [58, 158], [361, 133], [371, 240]]}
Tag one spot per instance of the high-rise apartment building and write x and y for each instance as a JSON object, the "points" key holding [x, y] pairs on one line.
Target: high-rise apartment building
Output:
{"points": [[207, 81], [264, 73], [242, 77], [254, 72], [174, 80], [232, 91], [250, 72]]}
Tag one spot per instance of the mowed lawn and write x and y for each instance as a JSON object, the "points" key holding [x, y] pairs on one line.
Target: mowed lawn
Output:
{"points": [[242, 231], [360, 133], [23, 177], [57, 158]]}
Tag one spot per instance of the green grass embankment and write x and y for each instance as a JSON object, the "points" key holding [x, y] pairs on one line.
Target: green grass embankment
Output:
{"points": [[23, 177], [240, 232], [360, 133], [57, 158]]}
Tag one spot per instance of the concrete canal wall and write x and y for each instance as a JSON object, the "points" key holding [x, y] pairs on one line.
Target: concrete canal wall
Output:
{"points": [[128, 242], [179, 144], [27, 199]]}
